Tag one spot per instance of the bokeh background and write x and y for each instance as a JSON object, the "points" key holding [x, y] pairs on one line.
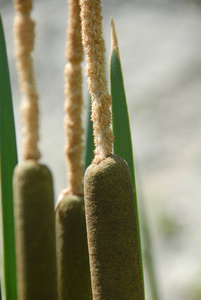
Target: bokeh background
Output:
{"points": [[160, 49]]}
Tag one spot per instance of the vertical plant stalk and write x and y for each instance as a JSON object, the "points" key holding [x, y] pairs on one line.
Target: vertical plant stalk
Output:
{"points": [[32, 182], [94, 47], [115, 261], [24, 45], [74, 101], [72, 249]]}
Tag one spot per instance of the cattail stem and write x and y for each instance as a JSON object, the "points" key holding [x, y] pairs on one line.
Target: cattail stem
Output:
{"points": [[72, 250], [112, 232], [24, 44], [74, 101], [32, 182], [94, 47]]}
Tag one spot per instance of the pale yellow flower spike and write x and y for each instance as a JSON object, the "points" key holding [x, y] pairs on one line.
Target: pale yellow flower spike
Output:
{"points": [[94, 46], [74, 100], [24, 44]]}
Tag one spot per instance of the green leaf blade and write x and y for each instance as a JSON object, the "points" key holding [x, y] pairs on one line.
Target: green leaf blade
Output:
{"points": [[8, 160], [120, 121], [123, 148], [89, 140], [121, 125]]}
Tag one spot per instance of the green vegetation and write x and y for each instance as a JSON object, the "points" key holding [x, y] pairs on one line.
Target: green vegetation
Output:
{"points": [[8, 161]]}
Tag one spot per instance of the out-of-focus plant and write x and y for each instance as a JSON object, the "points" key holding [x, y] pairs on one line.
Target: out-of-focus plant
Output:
{"points": [[8, 160]]}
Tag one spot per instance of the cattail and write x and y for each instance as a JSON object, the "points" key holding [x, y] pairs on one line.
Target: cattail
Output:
{"points": [[34, 228], [115, 261], [72, 249], [32, 182]]}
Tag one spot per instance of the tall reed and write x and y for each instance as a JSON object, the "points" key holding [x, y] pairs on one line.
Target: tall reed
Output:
{"points": [[32, 182], [114, 246], [72, 250]]}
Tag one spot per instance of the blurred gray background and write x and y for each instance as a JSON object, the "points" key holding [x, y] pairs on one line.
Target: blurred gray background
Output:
{"points": [[160, 49]]}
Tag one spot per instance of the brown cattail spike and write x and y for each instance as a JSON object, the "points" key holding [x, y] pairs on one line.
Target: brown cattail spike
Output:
{"points": [[113, 240], [34, 232], [72, 250], [94, 46], [74, 101], [24, 44], [32, 182]]}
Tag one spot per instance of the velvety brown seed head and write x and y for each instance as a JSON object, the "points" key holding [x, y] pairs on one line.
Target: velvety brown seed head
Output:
{"points": [[34, 232], [113, 239], [72, 250]]}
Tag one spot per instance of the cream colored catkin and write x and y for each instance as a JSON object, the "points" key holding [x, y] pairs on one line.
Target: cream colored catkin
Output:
{"points": [[24, 45], [74, 101], [72, 250], [94, 48]]}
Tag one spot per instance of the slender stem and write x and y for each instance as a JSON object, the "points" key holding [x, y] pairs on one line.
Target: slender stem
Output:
{"points": [[94, 46], [24, 44], [74, 100]]}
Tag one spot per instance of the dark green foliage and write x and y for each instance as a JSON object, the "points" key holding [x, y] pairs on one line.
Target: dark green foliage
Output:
{"points": [[121, 126], [8, 160]]}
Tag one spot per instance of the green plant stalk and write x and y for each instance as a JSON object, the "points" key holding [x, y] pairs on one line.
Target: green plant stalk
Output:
{"points": [[8, 160]]}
